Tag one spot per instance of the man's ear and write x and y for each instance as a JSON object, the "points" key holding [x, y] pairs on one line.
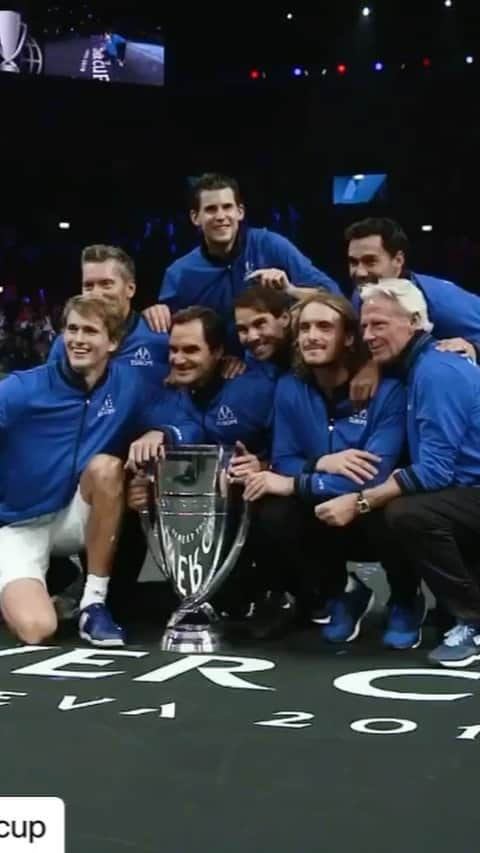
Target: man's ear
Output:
{"points": [[194, 218]]}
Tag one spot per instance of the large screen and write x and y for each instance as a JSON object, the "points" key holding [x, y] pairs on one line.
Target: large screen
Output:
{"points": [[359, 189], [106, 57], [112, 56]]}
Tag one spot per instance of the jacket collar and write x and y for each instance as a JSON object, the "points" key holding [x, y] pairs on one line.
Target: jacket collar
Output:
{"points": [[233, 254], [203, 395], [401, 366], [76, 380], [131, 323]]}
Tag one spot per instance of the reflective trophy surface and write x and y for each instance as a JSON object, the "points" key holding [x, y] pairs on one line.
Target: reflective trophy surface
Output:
{"points": [[196, 526]]}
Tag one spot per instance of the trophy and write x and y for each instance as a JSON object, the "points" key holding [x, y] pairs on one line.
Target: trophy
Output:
{"points": [[12, 38], [196, 525]]}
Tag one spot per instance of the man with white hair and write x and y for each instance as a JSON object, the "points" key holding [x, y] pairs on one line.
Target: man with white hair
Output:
{"points": [[432, 506]]}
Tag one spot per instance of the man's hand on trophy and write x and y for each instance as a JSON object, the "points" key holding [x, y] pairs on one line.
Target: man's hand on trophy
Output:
{"points": [[158, 318], [146, 449], [242, 464], [137, 492], [267, 483]]}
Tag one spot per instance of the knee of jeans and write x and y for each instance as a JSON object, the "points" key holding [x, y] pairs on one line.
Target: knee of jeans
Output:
{"points": [[33, 629]]}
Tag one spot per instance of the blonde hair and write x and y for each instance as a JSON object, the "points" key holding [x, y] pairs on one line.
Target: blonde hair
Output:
{"points": [[403, 293], [93, 306]]}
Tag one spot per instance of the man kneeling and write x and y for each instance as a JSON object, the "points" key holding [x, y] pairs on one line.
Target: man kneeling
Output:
{"points": [[64, 428]]}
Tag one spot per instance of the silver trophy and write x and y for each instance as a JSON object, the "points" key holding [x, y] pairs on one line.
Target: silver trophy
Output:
{"points": [[17, 52], [196, 526]]}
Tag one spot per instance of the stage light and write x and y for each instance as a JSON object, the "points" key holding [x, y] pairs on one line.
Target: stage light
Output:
{"points": [[448, 3], [359, 177], [297, 72], [378, 66], [366, 11], [324, 72], [289, 16], [254, 74], [342, 68], [427, 228], [426, 62], [1, 289], [469, 60], [64, 226]]}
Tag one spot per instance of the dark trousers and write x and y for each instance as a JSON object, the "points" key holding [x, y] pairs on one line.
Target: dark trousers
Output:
{"points": [[293, 550], [437, 536]]}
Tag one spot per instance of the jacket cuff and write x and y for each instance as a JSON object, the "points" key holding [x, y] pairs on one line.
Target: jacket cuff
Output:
{"points": [[408, 481], [302, 486], [172, 434]]}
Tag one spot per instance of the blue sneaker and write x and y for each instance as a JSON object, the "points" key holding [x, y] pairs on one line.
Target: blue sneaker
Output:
{"points": [[347, 613], [97, 627], [460, 647], [404, 626]]}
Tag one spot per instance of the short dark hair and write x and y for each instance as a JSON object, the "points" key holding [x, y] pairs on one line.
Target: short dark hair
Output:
{"points": [[93, 306], [393, 236], [213, 181], [99, 252], [357, 354], [265, 299], [214, 329]]}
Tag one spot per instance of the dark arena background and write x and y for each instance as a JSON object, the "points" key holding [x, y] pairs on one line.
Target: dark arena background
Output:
{"points": [[287, 746]]}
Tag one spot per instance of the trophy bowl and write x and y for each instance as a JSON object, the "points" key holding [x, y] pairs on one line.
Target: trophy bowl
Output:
{"points": [[196, 525]]}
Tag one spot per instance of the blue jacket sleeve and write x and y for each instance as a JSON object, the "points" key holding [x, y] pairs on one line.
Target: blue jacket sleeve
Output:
{"points": [[443, 409], [386, 439], [57, 350], [13, 399], [298, 267], [168, 293], [169, 412], [288, 458]]}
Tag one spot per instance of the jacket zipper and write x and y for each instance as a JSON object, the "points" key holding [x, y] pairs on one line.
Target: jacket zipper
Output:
{"points": [[77, 443]]}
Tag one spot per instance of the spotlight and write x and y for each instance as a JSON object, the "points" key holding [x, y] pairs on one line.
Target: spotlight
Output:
{"points": [[427, 228], [378, 66], [64, 226], [289, 16], [469, 60], [324, 72], [297, 71], [359, 177], [254, 74], [366, 11], [342, 68], [448, 3]]}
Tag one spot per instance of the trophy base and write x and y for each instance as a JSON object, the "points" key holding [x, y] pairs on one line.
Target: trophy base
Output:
{"points": [[190, 639]]}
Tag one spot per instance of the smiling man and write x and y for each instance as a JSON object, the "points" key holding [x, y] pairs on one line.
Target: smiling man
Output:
{"points": [[432, 506], [109, 273], [65, 429], [264, 327], [230, 257]]}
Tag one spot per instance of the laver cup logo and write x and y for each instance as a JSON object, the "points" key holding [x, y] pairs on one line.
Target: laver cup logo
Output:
{"points": [[19, 52]]}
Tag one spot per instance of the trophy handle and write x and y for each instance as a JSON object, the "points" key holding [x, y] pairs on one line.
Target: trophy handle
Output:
{"points": [[149, 522]]}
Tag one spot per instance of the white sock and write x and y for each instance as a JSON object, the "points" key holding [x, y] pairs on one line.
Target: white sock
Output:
{"points": [[95, 590]]}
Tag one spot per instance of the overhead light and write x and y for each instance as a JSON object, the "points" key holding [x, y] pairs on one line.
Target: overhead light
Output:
{"points": [[366, 11], [427, 227], [378, 66], [1, 288], [448, 3], [359, 177], [64, 226], [289, 16], [469, 60], [342, 68]]}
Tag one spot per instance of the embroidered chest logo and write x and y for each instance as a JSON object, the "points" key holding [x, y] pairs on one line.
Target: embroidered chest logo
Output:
{"points": [[359, 418], [142, 358], [225, 417], [107, 408]]}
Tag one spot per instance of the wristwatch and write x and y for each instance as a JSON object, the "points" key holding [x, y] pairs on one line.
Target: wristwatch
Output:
{"points": [[363, 505]]}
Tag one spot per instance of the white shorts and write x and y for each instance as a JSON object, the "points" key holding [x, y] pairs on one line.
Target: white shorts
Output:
{"points": [[25, 548]]}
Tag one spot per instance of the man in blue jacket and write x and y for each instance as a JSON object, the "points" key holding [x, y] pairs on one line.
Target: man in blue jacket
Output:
{"points": [[263, 321], [109, 273], [230, 257], [236, 413], [64, 431], [433, 504], [378, 248], [323, 447]]}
